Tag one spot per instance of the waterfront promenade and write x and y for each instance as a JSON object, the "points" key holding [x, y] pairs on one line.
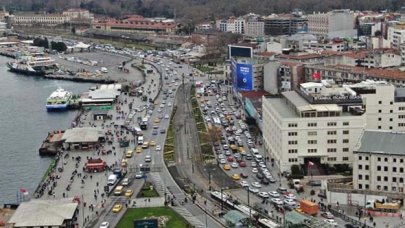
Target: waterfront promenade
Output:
{"points": [[89, 187]]}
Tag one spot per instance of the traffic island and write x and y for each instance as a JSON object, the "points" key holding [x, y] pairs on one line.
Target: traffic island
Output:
{"points": [[164, 216], [147, 191]]}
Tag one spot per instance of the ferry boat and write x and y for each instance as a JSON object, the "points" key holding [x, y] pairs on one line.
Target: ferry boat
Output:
{"points": [[59, 100], [34, 66]]}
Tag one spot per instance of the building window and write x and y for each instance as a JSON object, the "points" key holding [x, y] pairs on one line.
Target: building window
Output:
{"points": [[331, 124], [332, 159], [360, 158], [345, 141], [394, 169], [312, 150], [367, 158], [292, 125], [386, 168], [401, 180], [391, 111], [345, 158], [360, 186], [401, 108], [360, 177], [401, 117], [346, 132], [366, 167], [394, 179], [345, 149], [394, 160], [292, 151], [295, 142], [379, 159], [379, 118], [312, 133], [401, 124], [331, 132], [312, 141], [331, 141], [390, 127], [292, 133], [401, 170], [385, 188], [345, 123], [366, 177], [379, 111], [379, 127], [360, 167], [385, 178], [390, 119], [331, 150], [378, 178], [312, 124], [378, 168], [386, 159]]}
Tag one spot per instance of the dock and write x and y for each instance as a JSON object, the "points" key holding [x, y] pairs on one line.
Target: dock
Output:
{"points": [[52, 144]]}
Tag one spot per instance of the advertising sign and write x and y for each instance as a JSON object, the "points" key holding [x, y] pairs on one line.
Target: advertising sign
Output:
{"points": [[243, 77], [146, 223]]}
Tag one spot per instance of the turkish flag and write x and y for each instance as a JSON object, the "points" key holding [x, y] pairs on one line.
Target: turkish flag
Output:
{"points": [[316, 76]]}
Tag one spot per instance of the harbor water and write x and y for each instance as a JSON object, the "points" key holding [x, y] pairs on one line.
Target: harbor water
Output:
{"points": [[24, 124]]}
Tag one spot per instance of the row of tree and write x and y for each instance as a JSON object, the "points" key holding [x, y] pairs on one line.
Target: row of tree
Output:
{"points": [[43, 42], [199, 10]]}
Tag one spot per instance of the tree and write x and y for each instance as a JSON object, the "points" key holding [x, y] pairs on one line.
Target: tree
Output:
{"points": [[74, 30], [295, 170], [214, 134]]}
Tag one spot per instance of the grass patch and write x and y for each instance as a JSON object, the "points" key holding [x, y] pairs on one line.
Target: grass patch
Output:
{"points": [[147, 191], [205, 69], [168, 152], [175, 220], [49, 170]]}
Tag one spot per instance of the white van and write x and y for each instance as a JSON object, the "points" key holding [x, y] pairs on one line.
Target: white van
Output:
{"points": [[254, 151], [140, 140], [112, 179]]}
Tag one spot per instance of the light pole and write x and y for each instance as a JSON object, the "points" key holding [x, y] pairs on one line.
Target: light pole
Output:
{"points": [[250, 210]]}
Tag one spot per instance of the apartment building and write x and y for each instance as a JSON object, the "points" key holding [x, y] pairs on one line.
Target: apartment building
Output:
{"points": [[247, 25], [336, 23], [254, 28], [281, 76], [312, 124], [396, 35], [29, 19], [284, 24], [247, 73], [378, 162]]}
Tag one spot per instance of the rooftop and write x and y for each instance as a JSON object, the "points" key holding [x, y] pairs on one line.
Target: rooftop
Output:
{"points": [[84, 134], [43, 213], [384, 142]]}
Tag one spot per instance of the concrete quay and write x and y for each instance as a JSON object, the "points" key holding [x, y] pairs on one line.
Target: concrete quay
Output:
{"points": [[68, 178]]}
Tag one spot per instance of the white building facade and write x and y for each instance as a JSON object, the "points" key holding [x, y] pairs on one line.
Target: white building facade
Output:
{"points": [[336, 23]]}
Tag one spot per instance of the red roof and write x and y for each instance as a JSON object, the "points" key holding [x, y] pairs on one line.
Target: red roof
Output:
{"points": [[267, 53], [392, 74], [254, 94], [137, 22]]}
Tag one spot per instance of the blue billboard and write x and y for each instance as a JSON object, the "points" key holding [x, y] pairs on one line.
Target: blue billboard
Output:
{"points": [[243, 76]]}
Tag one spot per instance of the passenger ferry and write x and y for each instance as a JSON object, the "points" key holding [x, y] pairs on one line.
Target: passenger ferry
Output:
{"points": [[33, 66], [58, 100]]}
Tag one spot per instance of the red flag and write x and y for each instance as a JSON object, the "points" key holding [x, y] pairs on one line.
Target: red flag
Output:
{"points": [[24, 191], [310, 163], [316, 76]]}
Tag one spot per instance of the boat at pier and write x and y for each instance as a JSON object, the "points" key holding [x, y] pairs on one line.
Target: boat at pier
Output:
{"points": [[34, 66], [58, 100]]}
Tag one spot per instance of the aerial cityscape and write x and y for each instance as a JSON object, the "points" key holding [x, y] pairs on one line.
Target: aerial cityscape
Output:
{"points": [[147, 114]]}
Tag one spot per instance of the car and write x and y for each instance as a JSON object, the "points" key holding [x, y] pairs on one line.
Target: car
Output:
{"points": [[331, 222], [235, 176], [158, 148], [248, 157], [277, 201], [162, 131], [157, 120], [289, 202], [154, 132], [129, 193], [281, 190], [155, 126], [327, 215], [253, 164], [272, 180], [167, 116], [264, 195], [221, 156], [139, 175], [125, 182], [159, 110], [243, 175], [290, 196], [314, 183], [230, 159], [228, 153], [105, 225], [259, 176], [227, 167], [148, 158], [253, 190], [265, 181], [169, 104], [235, 165], [244, 184], [256, 184], [152, 143], [237, 155], [117, 208], [255, 170], [274, 194], [222, 161], [242, 164]]}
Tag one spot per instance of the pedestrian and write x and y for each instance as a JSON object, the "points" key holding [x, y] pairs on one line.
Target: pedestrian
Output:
{"points": [[97, 184]]}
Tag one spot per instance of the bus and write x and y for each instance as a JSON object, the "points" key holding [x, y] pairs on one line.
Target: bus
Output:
{"points": [[217, 120]]}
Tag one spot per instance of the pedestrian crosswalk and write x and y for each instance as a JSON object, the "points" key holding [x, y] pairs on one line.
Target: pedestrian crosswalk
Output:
{"points": [[179, 198]]}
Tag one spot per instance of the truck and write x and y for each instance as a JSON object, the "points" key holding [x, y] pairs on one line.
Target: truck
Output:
{"points": [[95, 165], [377, 205], [309, 207], [296, 184]]}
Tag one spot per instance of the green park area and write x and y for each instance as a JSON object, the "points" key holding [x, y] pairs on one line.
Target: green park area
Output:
{"points": [[173, 219]]}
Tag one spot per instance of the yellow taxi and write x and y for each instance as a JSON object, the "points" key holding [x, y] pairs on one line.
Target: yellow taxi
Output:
{"points": [[156, 102], [117, 208], [152, 143], [227, 167], [129, 154], [145, 145], [124, 162], [236, 176], [139, 149], [129, 193], [234, 148], [157, 120], [242, 150]]}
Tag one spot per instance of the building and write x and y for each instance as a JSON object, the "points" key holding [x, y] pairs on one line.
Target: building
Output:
{"points": [[78, 13], [327, 46], [204, 26], [254, 28], [136, 23], [30, 19], [222, 25], [378, 162], [247, 73], [281, 76], [336, 23], [377, 58], [385, 107], [316, 123], [45, 213], [83, 138], [100, 114], [284, 24]]}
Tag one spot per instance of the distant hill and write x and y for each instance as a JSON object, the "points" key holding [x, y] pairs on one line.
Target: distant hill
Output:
{"points": [[199, 10]]}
